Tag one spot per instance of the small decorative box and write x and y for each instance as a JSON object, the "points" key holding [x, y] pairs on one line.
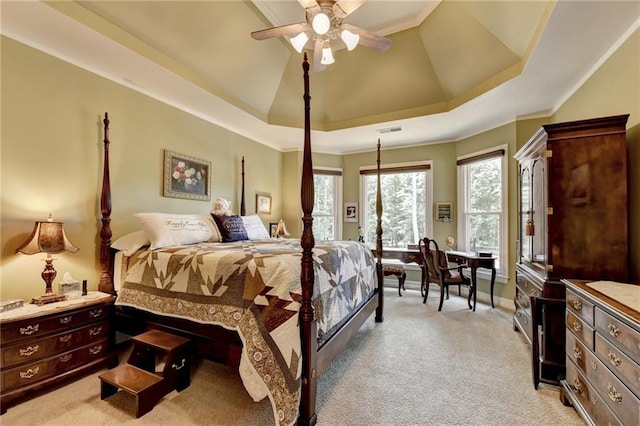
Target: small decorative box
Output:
{"points": [[71, 289], [8, 305]]}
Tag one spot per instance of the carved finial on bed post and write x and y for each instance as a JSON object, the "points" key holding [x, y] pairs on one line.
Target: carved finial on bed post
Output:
{"points": [[106, 280], [243, 210], [380, 308], [307, 316]]}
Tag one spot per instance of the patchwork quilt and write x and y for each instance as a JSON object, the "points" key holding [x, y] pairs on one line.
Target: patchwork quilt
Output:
{"points": [[253, 287]]}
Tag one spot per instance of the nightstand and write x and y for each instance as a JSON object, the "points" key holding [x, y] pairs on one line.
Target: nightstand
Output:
{"points": [[43, 346]]}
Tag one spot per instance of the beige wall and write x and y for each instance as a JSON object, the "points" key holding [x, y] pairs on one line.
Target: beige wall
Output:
{"points": [[51, 158], [52, 162]]}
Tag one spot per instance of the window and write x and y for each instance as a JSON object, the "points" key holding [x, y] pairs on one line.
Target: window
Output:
{"points": [[406, 204], [327, 184], [482, 197]]}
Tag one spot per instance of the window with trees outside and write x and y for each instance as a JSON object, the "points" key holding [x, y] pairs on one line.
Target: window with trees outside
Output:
{"points": [[327, 185], [406, 204], [482, 201]]}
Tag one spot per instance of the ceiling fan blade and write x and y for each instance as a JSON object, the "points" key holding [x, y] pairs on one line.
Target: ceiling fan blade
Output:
{"points": [[309, 4], [344, 7], [317, 56], [290, 29], [369, 39]]}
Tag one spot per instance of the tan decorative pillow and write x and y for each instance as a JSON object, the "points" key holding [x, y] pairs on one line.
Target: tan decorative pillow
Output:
{"points": [[166, 230]]}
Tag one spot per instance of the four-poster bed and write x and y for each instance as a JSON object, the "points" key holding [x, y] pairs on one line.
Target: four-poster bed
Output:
{"points": [[319, 344]]}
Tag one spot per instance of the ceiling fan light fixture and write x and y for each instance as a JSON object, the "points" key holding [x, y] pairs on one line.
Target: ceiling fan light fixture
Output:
{"points": [[327, 56], [350, 39], [321, 23], [299, 41]]}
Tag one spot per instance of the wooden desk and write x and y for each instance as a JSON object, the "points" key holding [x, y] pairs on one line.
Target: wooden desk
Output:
{"points": [[474, 262]]}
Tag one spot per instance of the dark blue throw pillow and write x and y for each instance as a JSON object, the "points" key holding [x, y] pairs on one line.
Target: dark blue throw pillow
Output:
{"points": [[231, 228]]}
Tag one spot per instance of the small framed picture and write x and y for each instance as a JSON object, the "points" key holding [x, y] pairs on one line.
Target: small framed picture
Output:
{"points": [[272, 229], [350, 212], [263, 204], [444, 212]]}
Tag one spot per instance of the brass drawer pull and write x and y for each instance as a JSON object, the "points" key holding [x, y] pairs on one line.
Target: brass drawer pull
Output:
{"points": [[577, 385], [95, 313], [577, 305], [66, 320], [29, 330], [614, 359], [66, 358], [95, 350], [29, 373], [95, 331], [29, 350], [65, 338], [594, 400], [613, 394], [613, 330], [534, 293], [577, 353], [594, 366], [577, 327]]}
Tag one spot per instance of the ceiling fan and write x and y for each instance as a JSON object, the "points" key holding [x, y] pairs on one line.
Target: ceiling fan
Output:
{"points": [[323, 26]]}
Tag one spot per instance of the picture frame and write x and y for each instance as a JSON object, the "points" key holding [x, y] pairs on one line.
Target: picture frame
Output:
{"points": [[186, 177], [272, 229], [263, 204], [444, 212], [350, 212]]}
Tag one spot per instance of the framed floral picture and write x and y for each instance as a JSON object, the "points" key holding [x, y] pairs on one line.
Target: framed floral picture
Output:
{"points": [[186, 177]]}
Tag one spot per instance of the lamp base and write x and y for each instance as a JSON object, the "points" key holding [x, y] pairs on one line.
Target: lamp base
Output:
{"points": [[48, 298]]}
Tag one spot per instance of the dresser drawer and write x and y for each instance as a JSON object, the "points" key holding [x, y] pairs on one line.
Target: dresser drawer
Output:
{"points": [[34, 372], [577, 352], [616, 395], [523, 319], [32, 350], [621, 365], [40, 326], [618, 333], [580, 329], [580, 307], [591, 402]]}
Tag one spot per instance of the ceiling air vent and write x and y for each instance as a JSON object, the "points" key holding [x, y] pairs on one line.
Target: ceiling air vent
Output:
{"points": [[390, 129]]}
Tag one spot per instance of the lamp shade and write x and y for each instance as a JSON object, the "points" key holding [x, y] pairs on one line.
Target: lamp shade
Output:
{"points": [[281, 229], [321, 23], [47, 237], [350, 39], [299, 41], [327, 56]]}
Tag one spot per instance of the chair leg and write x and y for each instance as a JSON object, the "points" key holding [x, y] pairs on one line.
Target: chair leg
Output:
{"points": [[442, 287], [426, 292], [400, 285]]}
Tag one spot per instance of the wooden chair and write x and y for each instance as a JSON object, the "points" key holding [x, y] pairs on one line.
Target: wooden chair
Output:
{"points": [[438, 271]]}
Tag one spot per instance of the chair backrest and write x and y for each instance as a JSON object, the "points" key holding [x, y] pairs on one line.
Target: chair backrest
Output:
{"points": [[432, 256]]}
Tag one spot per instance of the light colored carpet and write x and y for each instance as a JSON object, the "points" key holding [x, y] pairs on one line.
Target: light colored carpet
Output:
{"points": [[418, 367]]}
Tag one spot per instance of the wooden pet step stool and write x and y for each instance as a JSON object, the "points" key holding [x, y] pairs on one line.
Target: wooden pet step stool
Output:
{"points": [[139, 377]]}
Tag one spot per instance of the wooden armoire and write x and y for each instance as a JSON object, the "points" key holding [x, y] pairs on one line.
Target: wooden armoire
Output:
{"points": [[572, 224]]}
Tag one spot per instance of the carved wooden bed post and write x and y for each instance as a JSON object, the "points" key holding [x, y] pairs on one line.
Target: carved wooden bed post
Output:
{"points": [[106, 279], [379, 309], [307, 315], [243, 210]]}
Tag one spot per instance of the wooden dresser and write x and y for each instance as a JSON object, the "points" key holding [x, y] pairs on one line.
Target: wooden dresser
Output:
{"points": [[572, 224], [603, 352], [51, 344]]}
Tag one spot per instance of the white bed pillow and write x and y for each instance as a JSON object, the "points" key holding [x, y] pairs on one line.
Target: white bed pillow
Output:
{"points": [[254, 227], [131, 242], [166, 229]]}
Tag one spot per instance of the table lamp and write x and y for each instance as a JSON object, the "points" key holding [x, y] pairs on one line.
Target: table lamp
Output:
{"points": [[281, 229], [47, 237]]}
